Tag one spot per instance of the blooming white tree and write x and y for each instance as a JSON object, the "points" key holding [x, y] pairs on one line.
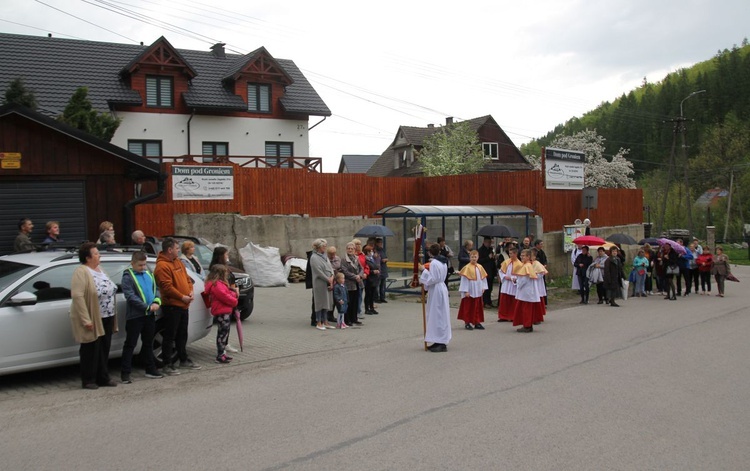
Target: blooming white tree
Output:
{"points": [[598, 171], [452, 150]]}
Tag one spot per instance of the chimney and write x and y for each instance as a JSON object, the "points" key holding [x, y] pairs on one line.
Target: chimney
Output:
{"points": [[449, 120], [218, 50], [430, 126]]}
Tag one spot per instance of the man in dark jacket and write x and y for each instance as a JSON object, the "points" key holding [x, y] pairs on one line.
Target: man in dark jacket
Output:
{"points": [[613, 276], [583, 260], [487, 261]]}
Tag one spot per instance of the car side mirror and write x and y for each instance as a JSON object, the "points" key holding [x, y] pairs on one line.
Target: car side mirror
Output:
{"points": [[23, 298]]}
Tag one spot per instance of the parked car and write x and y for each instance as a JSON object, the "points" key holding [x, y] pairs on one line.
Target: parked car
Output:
{"points": [[35, 329], [203, 253]]}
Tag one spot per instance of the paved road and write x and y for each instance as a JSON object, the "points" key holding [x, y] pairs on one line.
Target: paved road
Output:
{"points": [[652, 385]]}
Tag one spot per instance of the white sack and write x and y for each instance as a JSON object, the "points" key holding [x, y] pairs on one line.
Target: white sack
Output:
{"points": [[263, 264]]}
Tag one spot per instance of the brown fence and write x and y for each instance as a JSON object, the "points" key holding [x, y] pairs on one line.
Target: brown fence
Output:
{"points": [[294, 191]]}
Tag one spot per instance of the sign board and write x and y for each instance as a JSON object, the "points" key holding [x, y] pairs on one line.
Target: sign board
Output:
{"points": [[570, 233], [10, 160], [197, 182], [14, 164], [563, 169]]}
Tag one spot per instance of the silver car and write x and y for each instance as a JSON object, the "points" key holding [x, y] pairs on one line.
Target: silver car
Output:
{"points": [[35, 329]]}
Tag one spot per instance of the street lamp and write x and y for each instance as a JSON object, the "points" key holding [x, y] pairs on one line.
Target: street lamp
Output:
{"points": [[688, 202]]}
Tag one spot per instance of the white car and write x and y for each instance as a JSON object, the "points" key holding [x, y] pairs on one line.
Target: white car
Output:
{"points": [[35, 329]]}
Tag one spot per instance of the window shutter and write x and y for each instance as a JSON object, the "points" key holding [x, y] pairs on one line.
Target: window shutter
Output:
{"points": [[265, 98], [165, 85], [152, 94], [252, 98], [135, 147], [208, 149], [153, 149]]}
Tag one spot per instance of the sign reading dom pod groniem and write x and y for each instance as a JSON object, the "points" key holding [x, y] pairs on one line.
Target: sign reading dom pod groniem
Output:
{"points": [[195, 182], [563, 169]]}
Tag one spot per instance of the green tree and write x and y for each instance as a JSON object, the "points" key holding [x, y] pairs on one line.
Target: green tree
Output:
{"points": [[18, 94], [452, 150], [80, 114]]}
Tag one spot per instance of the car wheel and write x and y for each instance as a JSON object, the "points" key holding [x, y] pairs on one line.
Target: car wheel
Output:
{"points": [[247, 309]]}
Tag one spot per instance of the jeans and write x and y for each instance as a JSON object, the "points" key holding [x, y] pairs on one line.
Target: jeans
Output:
{"points": [[381, 287], [640, 283], [144, 328], [175, 333], [583, 282], [706, 281], [684, 274]]}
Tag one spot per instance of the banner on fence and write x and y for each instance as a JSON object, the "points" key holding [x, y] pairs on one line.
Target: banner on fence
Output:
{"points": [[194, 182]]}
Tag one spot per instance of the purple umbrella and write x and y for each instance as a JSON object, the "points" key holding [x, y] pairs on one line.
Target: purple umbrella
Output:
{"points": [[680, 249], [238, 328]]}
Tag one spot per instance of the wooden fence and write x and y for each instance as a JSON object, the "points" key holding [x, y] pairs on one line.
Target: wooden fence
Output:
{"points": [[294, 191]]}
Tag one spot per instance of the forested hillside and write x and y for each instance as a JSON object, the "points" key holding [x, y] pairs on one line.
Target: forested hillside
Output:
{"points": [[717, 139]]}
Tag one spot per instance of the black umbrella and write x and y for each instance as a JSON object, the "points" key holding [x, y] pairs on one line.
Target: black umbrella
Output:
{"points": [[622, 239], [496, 230], [374, 231], [649, 241]]}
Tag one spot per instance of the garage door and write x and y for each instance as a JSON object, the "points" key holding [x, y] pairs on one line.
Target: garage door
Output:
{"points": [[63, 201]]}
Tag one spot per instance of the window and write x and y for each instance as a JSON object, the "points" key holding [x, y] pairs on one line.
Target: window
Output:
{"points": [[50, 285], [214, 148], [279, 149], [490, 150], [159, 92], [146, 149], [258, 97]]}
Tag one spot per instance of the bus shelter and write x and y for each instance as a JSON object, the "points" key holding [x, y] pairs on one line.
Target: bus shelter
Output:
{"points": [[454, 223]]}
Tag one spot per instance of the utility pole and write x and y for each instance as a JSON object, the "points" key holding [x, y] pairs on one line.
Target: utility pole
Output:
{"points": [[660, 225], [729, 204], [688, 201]]}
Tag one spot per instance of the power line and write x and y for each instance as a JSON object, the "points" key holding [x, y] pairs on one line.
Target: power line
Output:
{"points": [[86, 21]]}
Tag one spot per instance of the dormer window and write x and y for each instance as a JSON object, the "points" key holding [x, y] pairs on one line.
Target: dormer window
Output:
{"points": [[159, 91], [259, 97]]}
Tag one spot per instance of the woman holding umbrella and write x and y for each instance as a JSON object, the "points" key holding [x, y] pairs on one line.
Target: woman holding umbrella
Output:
{"points": [[668, 259]]}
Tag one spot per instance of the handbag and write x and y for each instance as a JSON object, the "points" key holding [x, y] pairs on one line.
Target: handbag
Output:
{"points": [[631, 277], [206, 299], [673, 270], [731, 277]]}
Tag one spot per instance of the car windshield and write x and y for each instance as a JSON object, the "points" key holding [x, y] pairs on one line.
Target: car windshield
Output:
{"points": [[11, 271], [204, 255]]}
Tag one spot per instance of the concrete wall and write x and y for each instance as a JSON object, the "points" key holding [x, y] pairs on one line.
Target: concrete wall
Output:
{"points": [[295, 234]]}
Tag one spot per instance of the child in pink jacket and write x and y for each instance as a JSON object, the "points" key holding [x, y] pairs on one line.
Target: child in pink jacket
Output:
{"points": [[223, 301]]}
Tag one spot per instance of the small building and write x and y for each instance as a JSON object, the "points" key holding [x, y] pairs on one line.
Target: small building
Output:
{"points": [[401, 158], [53, 172]]}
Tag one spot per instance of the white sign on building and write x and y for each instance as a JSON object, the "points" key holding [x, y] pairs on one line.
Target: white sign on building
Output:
{"points": [[563, 169], [193, 182]]}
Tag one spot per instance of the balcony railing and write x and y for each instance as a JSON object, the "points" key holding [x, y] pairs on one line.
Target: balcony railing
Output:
{"points": [[311, 164]]}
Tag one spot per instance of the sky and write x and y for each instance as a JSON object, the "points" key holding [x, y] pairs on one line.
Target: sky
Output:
{"points": [[380, 65]]}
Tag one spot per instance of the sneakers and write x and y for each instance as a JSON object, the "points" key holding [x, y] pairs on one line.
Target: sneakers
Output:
{"points": [[190, 365], [223, 359], [320, 327], [344, 326], [468, 327], [230, 349], [154, 375], [170, 370], [126, 379]]}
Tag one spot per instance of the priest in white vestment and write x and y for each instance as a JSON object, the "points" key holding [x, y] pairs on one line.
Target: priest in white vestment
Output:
{"points": [[438, 320]]}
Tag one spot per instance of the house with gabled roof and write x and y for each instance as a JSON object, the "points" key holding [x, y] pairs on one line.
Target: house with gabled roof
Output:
{"points": [[401, 158], [172, 101], [356, 163]]}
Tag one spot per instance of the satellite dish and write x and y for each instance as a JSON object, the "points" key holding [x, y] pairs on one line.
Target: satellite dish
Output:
{"points": [[577, 222]]}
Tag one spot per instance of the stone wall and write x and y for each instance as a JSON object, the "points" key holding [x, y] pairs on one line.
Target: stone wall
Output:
{"points": [[294, 234]]}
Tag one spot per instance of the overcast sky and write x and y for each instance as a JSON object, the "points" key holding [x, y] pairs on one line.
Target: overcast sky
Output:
{"points": [[379, 65]]}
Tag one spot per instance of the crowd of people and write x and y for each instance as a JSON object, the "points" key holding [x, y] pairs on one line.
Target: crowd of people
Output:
{"points": [[345, 288], [672, 270], [169, 290]]}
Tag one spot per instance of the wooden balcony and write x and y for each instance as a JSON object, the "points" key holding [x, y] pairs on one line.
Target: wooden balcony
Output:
{"points": [[311, 164]]}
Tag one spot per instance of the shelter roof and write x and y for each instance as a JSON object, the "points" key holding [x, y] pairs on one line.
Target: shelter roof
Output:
{"points": [[421, 210]]}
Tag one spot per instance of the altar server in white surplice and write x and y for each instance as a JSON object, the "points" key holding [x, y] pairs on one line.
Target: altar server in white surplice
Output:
{"points": [[438, 328]]}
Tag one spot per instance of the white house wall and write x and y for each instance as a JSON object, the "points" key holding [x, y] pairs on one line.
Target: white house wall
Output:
{"points": [[246, 136]]}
